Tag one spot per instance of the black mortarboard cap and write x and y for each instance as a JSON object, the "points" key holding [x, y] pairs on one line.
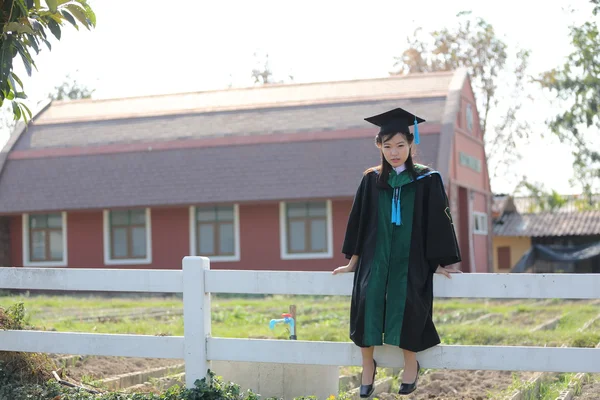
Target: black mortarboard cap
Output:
{"points": [[396, 121]]}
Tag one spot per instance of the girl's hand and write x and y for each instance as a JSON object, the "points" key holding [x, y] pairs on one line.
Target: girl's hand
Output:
{"points": [[344, 269], [447, 271]]}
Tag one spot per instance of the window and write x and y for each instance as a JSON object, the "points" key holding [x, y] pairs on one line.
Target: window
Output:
{"points": [[504, 257], [45, 240], [470, 162], [127, 237], [480, 223], [469, 117], [306, 230], [215, 232]]}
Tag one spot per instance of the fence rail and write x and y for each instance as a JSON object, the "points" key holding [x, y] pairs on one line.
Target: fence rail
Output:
{"points": [[197, 347]]}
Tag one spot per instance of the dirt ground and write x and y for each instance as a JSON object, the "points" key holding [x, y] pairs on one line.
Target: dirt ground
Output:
{"points": [[434, 384], [459, 385], [100, 367], [590, 390]]}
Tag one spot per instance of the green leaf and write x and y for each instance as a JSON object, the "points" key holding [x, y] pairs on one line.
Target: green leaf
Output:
{"points": [[17, 79], [35, 24], [78, 13], [27, 109], [88, 11], [54, 28], [52, 5], [17, 27], [21, 4], [10, 95], [33, 43], [20, 95], [37, 4], [16, 110], [69, 18], [25, 117], [24, 107], [12, 84], [6, 56], [57, 17], [26, 57]]}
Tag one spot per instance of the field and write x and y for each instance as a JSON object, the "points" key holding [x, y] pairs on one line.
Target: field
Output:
{"points": [[468, 322]]}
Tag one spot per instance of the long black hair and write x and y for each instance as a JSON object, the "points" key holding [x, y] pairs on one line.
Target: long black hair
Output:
{"points": [[385, 168]]}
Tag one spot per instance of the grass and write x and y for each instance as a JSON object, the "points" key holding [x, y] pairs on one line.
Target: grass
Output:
{"points": [[550, 390], [323, 318]]}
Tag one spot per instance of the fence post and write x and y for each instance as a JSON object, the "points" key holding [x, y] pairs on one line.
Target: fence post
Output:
{"points": [[196, 318]]}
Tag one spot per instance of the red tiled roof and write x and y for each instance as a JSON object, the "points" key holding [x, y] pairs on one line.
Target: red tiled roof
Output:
{"points": [[268, 143], [278, 171], [411, 86], [549, 224]]}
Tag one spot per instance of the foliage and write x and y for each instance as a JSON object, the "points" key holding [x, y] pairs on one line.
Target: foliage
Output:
{"points": [[473, 44], [262, 73], [212, 388], [577, 83], [23, 367], [543, 200], [24, 26], [13, 317], [70, 89]]}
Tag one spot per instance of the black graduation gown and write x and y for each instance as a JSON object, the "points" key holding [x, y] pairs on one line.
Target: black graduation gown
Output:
{"points": [[432, 243]]}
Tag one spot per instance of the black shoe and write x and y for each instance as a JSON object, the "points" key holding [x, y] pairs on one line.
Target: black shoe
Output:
{"points": [[408, 388], [367, 390]]}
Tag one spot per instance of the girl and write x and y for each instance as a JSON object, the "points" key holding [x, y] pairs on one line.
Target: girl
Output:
{"points": [[399, 233]]}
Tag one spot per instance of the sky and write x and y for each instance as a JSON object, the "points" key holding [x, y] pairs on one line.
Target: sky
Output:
{"points": [[144, 47]]}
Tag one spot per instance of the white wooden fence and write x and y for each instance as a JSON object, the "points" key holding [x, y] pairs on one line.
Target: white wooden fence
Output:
{"points": [[196, 281]]}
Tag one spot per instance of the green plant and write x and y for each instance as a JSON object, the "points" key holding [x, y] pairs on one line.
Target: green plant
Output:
{"points": [[13, 317], [23, 29]]}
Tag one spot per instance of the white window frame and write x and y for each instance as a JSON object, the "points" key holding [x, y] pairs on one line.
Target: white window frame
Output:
{"points": [[133, 261], [483, 222], [25, 234], [236, 236], [285, 255]]}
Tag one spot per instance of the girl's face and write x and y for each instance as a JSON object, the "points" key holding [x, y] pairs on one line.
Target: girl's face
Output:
{"points": [[395, 150]]}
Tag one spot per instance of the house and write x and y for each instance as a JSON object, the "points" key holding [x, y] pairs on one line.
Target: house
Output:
{"points": [[254, 178], [527, 237]]}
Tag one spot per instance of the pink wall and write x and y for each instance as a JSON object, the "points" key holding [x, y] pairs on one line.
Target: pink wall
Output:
{"points": [[259, 239], [85, 240], [16, 240], [470, 143], [480, 242], [469, 181], [170, 239], [260, 242]]}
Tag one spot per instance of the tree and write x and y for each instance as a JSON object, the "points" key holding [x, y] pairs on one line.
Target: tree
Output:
{"points": [[473, 44], [577, 83], [542, 199], [24, 25], [70, 89], [262, 73]]}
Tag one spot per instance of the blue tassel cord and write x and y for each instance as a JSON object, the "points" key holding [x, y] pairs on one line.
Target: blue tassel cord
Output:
{"points": [[416, 131], [396, 208]]}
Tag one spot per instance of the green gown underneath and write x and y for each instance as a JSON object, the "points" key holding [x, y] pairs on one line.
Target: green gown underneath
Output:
{"points": [[386, 291]]}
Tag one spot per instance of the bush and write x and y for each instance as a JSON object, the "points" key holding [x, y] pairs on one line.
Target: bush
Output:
{"points": [[23, 368], [212, 388], [205, 389]]}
